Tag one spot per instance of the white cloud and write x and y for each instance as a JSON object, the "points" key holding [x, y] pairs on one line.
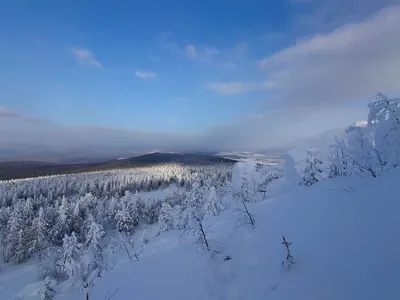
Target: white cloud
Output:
{"points": [[200, 53], [280, 128], [33, 139], [351, 63], [233, 87], [203, 53], [326, 15], [85, 56], [145, 75], [190, 52], [27, 138], [240, 87]]}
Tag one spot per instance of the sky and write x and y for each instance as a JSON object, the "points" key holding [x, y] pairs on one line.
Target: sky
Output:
{"points": [[178, 75]]}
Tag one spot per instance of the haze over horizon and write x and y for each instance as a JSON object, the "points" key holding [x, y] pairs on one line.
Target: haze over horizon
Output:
{"points": [[107, 78]]}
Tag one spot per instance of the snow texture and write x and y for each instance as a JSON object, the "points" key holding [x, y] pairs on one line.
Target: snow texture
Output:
{"points": [[334, 237], [343, 243]]}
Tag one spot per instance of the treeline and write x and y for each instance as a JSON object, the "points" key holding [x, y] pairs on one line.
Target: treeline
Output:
{"points": [[61, 221], [110, 183]]}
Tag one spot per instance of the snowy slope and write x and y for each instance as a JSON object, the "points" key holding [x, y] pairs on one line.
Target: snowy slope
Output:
{"points": [[345, 246]]}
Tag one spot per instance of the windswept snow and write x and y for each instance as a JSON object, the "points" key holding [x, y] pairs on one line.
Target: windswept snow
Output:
{"points": [[358, 124], [345, 246], [344, 242], [341, 224]]}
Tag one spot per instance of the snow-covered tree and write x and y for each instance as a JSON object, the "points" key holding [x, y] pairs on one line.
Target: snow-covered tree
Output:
{"points": [[78, 218], [202, 236], [71, 255], [39, 241], [361, 150], [133, 203], [193, 205], [247, 190], [312, 172], [339, 161], [384, 120], [63, 223], [48, 288], [124, 222], [94, 237], [21, 252], [100, 211], [112, 209], [213, 202], [151, 210], [28, 212], [12, 233], [5, 213], [165, 218]]}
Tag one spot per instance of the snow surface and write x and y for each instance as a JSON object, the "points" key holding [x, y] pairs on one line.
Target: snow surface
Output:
{"points": [[345, 246], [345, 243]]}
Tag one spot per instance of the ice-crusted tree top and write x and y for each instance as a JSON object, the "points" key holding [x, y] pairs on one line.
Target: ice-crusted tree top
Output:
{"points": [[124, 221], [94, 236], [382, 108], [356, 126], [311, 173]]}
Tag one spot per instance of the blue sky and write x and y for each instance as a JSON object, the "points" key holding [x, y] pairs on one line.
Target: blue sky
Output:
{"points": [[206, 69], [130, 36]]}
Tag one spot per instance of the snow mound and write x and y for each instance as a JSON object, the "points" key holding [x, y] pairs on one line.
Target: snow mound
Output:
{"points": [[344, 243], [288, 182]]}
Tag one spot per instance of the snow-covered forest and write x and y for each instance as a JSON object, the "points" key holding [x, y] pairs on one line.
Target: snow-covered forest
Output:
{"points": [[329, 232], [61, 221], [73, 226]]}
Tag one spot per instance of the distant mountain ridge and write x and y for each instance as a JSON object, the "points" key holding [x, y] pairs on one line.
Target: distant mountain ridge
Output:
{"points": [[25, 169]]}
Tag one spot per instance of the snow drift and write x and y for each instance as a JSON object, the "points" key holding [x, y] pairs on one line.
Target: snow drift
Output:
{"points": [[342, 239]]}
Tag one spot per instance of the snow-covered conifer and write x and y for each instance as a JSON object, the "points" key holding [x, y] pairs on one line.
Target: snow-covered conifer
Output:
{"points": [[21, 252], [312, 172], [28, 212], [213, 202], [151, 210], [112, 208], [39, 241], [48, 289], [165, 218], [339, 162], [384, 121], [94, 237], [134, 207], [12, 233], [71, 255], [361, 150], [124, 222], [193, 205], [63, 223]]}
